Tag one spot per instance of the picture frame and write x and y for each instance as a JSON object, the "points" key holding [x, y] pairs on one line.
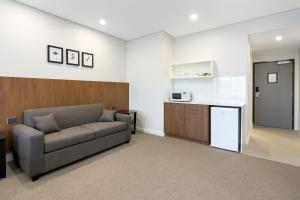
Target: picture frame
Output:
{"points": [[272, 77], [87, 59], [55, 54], [72, 57]]}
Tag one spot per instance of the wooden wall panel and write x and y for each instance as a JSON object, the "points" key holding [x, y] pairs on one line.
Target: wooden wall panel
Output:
{"points": [[19, 94]]}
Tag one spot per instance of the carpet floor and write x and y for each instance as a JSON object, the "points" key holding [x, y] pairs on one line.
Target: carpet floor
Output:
{"points": [[152, 167]]}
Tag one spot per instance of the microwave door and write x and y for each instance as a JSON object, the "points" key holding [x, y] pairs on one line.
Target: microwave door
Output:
{"points": [[176, 96]]}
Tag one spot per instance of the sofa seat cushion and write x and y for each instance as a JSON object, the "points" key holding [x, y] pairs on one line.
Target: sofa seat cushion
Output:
{"points": [[67, 137], [102, 129]]}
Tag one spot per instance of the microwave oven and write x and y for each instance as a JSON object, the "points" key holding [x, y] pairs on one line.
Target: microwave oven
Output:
{"points": [[183, 96]]}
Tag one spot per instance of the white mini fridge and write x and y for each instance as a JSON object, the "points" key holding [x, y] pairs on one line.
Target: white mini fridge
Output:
{"points": [[225, 128]]}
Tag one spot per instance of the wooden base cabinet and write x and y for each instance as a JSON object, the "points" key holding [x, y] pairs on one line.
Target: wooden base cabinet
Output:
{"points": [[174, 119], [187, 120]]}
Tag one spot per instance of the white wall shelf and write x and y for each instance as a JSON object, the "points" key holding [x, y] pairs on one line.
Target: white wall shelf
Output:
{"points": [[200, 69]]}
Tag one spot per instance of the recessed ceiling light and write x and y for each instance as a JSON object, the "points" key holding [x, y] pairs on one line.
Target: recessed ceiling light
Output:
{"points": [[102, 22], [193, 17], [278, 38]]}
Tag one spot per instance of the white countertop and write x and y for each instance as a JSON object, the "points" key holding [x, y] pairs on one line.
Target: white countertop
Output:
{"points": [[213, 103]]}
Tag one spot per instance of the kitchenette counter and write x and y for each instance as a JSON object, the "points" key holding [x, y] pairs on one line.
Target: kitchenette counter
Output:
{"points": [[212, 103], [201, 121]]}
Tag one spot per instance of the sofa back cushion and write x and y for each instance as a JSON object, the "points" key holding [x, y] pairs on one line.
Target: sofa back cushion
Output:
{"points": [[67, 116]]}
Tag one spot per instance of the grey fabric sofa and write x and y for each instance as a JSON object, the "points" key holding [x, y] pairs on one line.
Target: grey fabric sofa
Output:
{"points": [[81, 135]]}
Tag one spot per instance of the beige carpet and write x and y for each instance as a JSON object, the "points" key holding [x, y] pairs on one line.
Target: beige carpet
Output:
{"points": [[281, 145], [157, 168]]}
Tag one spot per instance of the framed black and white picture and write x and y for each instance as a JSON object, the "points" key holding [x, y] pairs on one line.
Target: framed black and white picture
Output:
{"points": [[55, 54], [87, 60], [73, 57]]}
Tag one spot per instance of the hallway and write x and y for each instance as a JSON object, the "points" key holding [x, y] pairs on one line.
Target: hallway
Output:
{"points": [[279, 145]]}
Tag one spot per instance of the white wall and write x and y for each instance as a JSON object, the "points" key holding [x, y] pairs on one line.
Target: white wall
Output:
{"points": [[148, 60], [283, 54], [229, 46], [25, 33], [250, 92]]}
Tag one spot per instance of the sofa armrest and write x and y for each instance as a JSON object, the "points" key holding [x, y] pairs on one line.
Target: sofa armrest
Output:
{"points": [[28, 144], [124, 118]]}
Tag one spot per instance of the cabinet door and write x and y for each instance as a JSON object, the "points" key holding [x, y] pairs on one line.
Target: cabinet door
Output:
{"points": [[174, 119], [197, 122]]}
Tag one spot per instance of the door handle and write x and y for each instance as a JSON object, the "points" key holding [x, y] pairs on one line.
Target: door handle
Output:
{"points": [[257, 93]]}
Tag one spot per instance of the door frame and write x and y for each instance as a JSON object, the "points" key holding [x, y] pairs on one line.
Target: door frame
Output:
{"points": [[293, 88]]}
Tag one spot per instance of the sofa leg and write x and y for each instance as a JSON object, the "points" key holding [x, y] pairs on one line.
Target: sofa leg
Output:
{"points": [[35, 178]]}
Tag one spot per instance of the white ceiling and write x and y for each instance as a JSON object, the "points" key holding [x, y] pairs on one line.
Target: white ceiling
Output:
{"points": [[266, 40], [129, 19]]}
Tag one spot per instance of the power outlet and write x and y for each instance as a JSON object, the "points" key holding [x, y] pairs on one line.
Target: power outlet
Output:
{"points": [[11, 120]]}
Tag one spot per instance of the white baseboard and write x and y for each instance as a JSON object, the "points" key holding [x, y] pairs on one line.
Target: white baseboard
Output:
{"points": [[247, 140], [9, 157], [150, 131]]}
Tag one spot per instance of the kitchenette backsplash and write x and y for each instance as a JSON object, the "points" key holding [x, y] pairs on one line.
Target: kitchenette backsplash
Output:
{"points": [[218, 88]]}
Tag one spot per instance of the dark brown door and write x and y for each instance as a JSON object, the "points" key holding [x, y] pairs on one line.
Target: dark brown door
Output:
{"points": [[174, 119], [197, 122]]}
